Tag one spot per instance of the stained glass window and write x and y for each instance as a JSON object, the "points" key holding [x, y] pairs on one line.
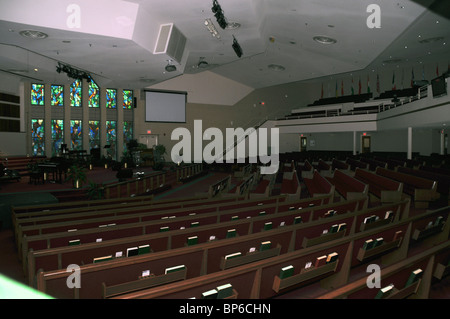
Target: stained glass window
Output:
{"points": [[57, 136], [37, 94], [76, 134], [57, 95], [75, 93], [37, 137], [111, 98], [127, 134], [111, 138], [94, 134], [94, 94], [127, 99]]}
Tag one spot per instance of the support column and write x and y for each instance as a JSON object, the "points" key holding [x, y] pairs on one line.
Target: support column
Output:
{"points": [[442, 142], [47, 121], [409, 155], [354, 142], [119, 128]]}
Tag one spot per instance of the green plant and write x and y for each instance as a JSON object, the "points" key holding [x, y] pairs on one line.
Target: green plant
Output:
{"points": [[95, 190], [159, 151], [77, 175]]}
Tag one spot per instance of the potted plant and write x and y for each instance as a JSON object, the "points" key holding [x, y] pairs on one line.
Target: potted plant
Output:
{"points": [[159, 151], [77, 175], [95, 191]]}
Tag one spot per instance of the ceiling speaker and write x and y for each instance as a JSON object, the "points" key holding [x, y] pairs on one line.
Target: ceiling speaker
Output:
{"points": [[170, 41]]}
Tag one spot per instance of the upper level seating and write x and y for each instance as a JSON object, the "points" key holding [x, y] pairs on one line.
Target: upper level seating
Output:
{"points": [[398, 93], [343, 99], [387, 190], [348, 186], [422, 190]]}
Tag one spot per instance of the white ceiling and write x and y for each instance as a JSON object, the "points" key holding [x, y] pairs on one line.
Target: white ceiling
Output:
{"points": [[114, 40]]}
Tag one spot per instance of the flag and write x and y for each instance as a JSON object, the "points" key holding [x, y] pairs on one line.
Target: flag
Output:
{"points": [[342, 88], [353, 89], [336, 89], [368, 84], [359, 86], [378, 83], [412, 78], [321, 93], [394, 87]]}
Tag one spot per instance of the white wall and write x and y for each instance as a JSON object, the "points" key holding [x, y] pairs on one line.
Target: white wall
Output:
{"points": [[12, 144]]}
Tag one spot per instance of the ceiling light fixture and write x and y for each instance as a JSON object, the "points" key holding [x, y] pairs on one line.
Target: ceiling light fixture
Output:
{"points": [[202, 64], [170, 67], [236, 47], [33, 34], [233, 25], [218, 13], [212, 28], [324, 40], [73, 73]]}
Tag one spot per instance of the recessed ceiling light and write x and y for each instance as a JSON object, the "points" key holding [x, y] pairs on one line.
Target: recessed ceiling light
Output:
{"points": [[431, 40], [232, 25], [33, 34], [324, 40], [276, 67], [392, 60]]}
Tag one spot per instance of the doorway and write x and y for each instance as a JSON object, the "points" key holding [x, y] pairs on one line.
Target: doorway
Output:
{"points": [[365, 144], [303, 143], [149, 140]]}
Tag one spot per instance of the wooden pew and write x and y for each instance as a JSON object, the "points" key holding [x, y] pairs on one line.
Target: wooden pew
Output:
{"points": [[263, 188], [261, 277], [373, 163], [219, 187], [430, 261], [59, 257], [319, 185], [213, 252], [33, 225], [243, 187], [385, 189], [443, 181], [354, 163], [306, 169], [337, 164], [134, 226], [290, 185], [348, 186], [422, 190]]}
